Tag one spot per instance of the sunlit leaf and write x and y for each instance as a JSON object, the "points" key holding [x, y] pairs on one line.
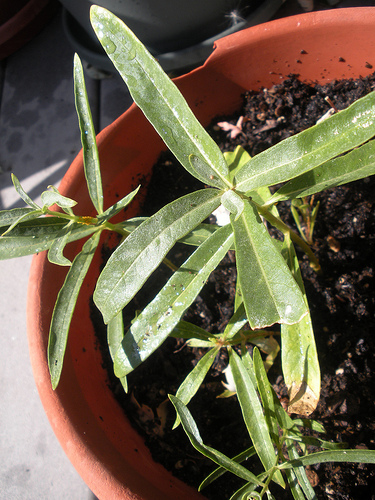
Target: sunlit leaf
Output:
{"points": [[9, 217], [252, 413], [37, 235], [353, 166], [269, 291], [25, 197], [355, 456], [233, 203], [120, 205], [299, 357], [143, 250], [64, 308], [163, 313], [152, 90], [54, 197], [115, 334], [55, 253], [312, 147], [88, 138], [194, 379]]}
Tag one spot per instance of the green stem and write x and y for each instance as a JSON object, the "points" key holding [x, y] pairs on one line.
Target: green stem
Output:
{"points": [[279, 224]]}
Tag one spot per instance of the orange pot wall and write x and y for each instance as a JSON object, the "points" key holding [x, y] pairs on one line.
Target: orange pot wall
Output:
{"points": [[105, 450]]}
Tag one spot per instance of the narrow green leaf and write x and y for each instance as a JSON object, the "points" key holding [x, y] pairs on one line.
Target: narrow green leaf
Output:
{"points": [[144, 249], [25, 197], [164, 312], [191, 429], [310, 424], [299, 356], [34, 214], [14, 215], [120, 205], [252, 413], [194, 238], [304, 151], [64, 308], [236, 160], [186, 330], [54, 197], [300, 473], [241, 457], [233, 203], [37, 235], [194, 379], [269, 291], [236, 322], [314, 441], [55, 253], [160, 100], [88, 138], [355, 456], [353, 166], [115, 334], [294, 486], [266, 395]]}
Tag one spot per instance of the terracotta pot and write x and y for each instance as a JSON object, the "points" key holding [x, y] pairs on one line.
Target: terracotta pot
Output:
{"points": [[91, 427], [21, 20]]}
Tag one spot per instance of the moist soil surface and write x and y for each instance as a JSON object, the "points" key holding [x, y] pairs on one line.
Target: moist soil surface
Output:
{"points": [[341, 300]]}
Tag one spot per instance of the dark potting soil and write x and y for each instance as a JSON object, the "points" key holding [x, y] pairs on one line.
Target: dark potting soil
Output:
{"points": [[342, 303]]}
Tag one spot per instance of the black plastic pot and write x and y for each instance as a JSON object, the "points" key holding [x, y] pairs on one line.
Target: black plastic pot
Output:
{"points": [[179, 33]]}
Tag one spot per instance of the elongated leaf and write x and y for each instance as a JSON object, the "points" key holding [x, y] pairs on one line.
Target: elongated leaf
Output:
{"points": [[194, 238], [9, 217], [191, 429], [314, 441], [355, 456], [143, 250], [310, 148], [37, 235], [253, 414], [25, 197], [299, 357], [236, 160], [194, 379], [64, 308], [115, 334], [164, 312], [55, 253], [269, 291], [233, 203], [266, 395], [88, 138], [51, 197], [160, 100], [294, 486], [353, 166], [34, 214], [241, 457], [186, 330], [300, 473], [120, 205], [236, 322]]}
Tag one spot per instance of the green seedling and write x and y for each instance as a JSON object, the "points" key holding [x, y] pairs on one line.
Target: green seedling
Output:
{"points": [[279, 441], [270, 290], [304, 214]]}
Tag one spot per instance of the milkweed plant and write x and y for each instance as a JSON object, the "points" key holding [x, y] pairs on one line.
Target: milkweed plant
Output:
{"points": [[269, 287]]}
